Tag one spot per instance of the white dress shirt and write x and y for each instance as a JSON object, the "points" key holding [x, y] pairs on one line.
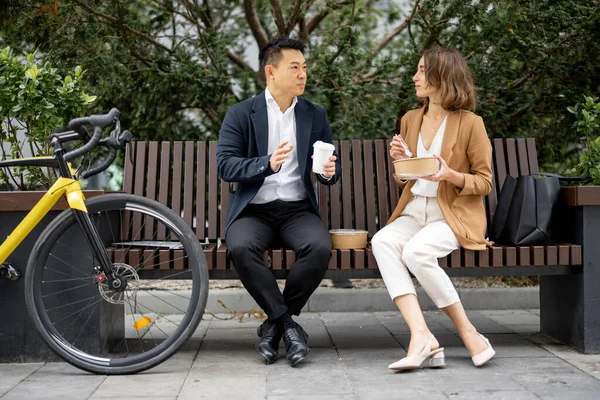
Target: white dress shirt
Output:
{"points": [[286, 184], [424, 187]]}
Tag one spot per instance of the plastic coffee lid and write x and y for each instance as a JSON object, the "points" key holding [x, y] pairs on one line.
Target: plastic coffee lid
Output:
{"points": [[347, 231], [324, 146]]}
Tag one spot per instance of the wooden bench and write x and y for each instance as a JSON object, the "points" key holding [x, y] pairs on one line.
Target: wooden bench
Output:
{"points": [[183, 176]]}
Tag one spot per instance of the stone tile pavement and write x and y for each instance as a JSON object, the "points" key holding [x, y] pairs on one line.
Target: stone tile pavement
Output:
{"points": [[349, 358]]}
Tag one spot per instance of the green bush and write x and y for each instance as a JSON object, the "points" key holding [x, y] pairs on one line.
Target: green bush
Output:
{"points": [[587, 124], [34, 99]]}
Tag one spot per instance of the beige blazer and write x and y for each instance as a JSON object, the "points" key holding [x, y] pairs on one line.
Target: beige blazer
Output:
{"points": [[466, 149]]}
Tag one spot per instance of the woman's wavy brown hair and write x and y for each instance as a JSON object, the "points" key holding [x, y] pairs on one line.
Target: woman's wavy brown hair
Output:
{"points": [[447, 70]]}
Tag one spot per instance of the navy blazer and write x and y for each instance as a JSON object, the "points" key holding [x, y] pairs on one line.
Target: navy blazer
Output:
{"points": [[243, 144]]}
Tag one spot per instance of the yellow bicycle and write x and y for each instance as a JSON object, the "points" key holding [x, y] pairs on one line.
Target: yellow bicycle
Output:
{"points": [[115, 284]]}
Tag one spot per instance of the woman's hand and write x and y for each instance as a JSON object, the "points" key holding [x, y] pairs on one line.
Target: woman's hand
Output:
{"points": [[398, 149], [445, 173]]}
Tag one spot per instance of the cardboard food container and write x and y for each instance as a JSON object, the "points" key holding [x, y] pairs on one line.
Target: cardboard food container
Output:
{"points": [[345, 239], [415, 167]]}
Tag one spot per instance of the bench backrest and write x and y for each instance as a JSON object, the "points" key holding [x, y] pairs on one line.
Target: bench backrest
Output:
{"points": [[183, 176]]}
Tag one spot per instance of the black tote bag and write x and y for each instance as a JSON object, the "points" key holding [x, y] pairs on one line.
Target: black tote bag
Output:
{"points": [[525, 210]]}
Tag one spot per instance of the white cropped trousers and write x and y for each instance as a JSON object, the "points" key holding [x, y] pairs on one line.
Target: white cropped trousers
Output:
{"points": [[414, 242]]}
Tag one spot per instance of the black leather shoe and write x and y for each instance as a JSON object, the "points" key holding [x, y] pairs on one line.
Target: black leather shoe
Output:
{"points": [[268, 343], [295, 340]]}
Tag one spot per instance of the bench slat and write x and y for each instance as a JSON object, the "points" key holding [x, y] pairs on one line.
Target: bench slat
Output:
{"points": [[469, 257], [346, 182], [382, 177], [497, 256], [483, 258], [290, 258], [129, 169], [188, 184], [575, 255], [532, 156], [221, 259], [179, 260], [224, 202], [443, 262], [537, 255], [213, 192], [563, 255], [177, 178], [499, 163], [522, 157], [455, 259], [138, 188], [210, 252], [345, 259], [371, 262], [551, 255], [357, 178], [163, 187], [510, 256], [393, 189], [150, 192], [333, 261], [277, 259], [370, 198], [334, 196], [358, 258], [524, 255], [511, 157], [201, 191]]}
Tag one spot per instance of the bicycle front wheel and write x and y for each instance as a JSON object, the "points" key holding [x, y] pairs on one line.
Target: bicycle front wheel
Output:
{"points": [[107, 330]]}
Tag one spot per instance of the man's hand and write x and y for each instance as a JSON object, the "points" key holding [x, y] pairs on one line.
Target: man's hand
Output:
{"points": [[278, 157], [329, 167]]}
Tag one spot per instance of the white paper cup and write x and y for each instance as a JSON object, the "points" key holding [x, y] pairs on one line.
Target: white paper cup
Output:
{"points": [[321, 152]]}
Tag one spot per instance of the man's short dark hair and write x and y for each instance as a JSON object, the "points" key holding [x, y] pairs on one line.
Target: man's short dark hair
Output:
{"points": [[271, 53]]}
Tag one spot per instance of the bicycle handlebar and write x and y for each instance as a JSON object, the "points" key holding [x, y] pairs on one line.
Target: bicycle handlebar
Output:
{"points": [[100, 120], [116, 141], [112, 144]]}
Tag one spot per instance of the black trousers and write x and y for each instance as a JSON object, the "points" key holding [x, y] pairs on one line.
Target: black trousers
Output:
{"points": [[292, 225]]}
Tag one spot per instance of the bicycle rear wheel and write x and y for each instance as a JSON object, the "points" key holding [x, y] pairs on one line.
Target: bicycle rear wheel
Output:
{"points": [[117, 331]]}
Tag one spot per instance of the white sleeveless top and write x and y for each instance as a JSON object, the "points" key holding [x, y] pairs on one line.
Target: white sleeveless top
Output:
{"points": [[423, 187]]}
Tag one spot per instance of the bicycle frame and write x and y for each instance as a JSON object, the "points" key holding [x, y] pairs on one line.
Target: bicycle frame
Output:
{"points": [[69, 187], [63, 186]]}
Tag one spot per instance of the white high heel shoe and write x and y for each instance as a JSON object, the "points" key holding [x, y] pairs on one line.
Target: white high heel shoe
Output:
{"points": [[436, 359], [485, 355]]}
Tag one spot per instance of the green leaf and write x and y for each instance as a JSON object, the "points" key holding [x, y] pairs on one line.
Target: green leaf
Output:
{"points": [[88, 99], [68, 79], [32, 72]]}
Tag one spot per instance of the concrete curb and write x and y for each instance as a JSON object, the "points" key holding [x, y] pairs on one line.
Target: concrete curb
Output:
{"points": [[343, 300], [329, 299]]}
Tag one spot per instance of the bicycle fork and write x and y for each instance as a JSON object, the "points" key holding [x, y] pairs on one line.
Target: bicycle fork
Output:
{"points": [[104, 270]]}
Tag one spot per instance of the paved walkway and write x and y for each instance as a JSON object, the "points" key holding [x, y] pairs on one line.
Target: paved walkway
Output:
{"points": [[349, 358]]}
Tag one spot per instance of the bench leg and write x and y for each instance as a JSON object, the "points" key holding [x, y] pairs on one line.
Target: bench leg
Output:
{"points": [[570, 305]]}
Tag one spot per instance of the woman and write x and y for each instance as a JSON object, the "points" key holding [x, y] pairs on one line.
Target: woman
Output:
{"points": [[439, 213]]}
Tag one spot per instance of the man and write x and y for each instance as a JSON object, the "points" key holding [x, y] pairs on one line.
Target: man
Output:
{"points": [[265, 145]]}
